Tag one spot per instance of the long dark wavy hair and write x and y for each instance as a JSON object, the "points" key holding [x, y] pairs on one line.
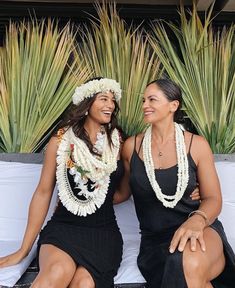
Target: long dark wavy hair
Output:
{"points": [[75, 117]]}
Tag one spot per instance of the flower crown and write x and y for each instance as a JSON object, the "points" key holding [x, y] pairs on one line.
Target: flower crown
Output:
{"points": [[93, 87]]}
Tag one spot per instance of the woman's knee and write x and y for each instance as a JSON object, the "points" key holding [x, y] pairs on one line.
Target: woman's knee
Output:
{"points": [[43, 282], [204, 266], [59, 271], [82, 278], [194, 266], [54, 276], [195, 276], [81, 283]]}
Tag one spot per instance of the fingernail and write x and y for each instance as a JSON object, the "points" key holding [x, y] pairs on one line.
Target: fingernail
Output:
{"points": [[171, 250]]}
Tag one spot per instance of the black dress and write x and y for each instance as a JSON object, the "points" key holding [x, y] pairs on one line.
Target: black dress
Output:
{"points": [[94, 241], [160, 268]]}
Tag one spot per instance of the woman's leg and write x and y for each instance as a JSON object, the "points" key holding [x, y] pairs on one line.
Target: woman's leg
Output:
{"points": [[82, 278], [57, 268], [202, 267]]}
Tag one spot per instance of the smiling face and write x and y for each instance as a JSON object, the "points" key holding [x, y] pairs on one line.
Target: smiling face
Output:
{"points": [[156, 106], [102, 108]]}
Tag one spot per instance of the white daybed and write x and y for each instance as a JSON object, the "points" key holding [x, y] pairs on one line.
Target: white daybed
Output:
{"points": [[17, 183]]}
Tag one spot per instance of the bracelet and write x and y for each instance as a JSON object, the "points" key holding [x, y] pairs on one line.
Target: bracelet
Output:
{"points": [[201, 213]]}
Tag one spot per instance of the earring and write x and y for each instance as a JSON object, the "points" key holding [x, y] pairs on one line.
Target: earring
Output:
{"points": [[86, 113]]}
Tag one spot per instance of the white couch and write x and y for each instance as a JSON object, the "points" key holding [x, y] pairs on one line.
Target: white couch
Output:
{"points": [[226, 172], [17, 183]]}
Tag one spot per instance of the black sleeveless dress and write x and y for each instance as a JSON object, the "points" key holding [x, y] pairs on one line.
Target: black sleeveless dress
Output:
{"points": [[94, 241], [160, 268]]}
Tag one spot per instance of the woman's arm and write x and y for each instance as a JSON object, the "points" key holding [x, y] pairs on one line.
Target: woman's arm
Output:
{"points": [[123, 190], [38, 207], [211, 200]]}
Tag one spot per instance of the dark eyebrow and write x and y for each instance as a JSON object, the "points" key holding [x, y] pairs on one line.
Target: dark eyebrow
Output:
{"points": [[152, 95], [103, 95]]}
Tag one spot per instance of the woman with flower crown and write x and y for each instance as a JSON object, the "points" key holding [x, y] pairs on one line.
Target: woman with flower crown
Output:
{"points": [[182, 242], [81, 246]]}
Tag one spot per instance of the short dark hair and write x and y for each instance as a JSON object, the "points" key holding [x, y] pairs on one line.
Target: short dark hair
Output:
{"points": [[172, 92]]}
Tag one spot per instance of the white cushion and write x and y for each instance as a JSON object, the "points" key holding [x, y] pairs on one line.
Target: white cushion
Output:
{"points": [[226, 173], [10, 275], [129, 227], [17, 184]]}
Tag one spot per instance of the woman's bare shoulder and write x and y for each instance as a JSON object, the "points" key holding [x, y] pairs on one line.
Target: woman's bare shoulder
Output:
{"points": [[130, 141], [200, 148], [130, 144], [200, 141]]}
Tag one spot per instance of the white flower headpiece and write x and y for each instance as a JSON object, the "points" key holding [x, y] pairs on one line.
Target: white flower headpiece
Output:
{"points": [[93, 87]]}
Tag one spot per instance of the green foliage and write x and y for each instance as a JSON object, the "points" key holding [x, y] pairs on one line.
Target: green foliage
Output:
{"points": [[36, 83], [204, 67], [112, 50]]}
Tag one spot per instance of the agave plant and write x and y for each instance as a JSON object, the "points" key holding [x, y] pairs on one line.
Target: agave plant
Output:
{"points": [[36, 83], [112, 50], [203, 64]]}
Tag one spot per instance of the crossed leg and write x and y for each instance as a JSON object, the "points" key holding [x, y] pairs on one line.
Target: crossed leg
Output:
{"points": [[202, 267], [58, 270]]}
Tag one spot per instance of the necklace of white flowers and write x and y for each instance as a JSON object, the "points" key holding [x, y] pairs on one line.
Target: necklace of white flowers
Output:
{"points": [[183, 174], [85, 166]]}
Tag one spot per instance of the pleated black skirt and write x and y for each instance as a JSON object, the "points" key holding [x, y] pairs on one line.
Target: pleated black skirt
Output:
{"points": [[99, 250]]}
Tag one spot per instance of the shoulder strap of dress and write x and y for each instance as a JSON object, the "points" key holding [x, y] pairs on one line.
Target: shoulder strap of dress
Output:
{"points": [[190, 144], [135, 142], [140, 145]]}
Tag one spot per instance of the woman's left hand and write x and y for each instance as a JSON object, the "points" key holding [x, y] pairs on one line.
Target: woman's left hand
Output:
{"points": [[195, 195], [191, 230]]}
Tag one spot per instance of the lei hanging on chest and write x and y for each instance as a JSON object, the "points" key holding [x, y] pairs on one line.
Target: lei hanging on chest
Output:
{"points": [[91, 173], [182, 163]]}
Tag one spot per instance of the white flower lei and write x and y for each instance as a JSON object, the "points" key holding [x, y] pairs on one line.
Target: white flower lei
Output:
{"points": [[183, 174], [99, 144], [97, 170], [93, 87]]}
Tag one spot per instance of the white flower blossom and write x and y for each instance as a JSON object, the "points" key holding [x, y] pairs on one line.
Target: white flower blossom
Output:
{"points": [[77, 177], [72, 171], [93, 87]]}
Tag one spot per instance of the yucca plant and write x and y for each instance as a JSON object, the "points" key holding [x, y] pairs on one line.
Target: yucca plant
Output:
{"points": [[204, 66], [112, 50], [36, 83], [4, 107]]}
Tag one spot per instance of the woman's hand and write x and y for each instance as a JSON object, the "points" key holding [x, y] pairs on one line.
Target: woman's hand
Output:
{"points": [[191, 230], [195, 195], [12, 259]]}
